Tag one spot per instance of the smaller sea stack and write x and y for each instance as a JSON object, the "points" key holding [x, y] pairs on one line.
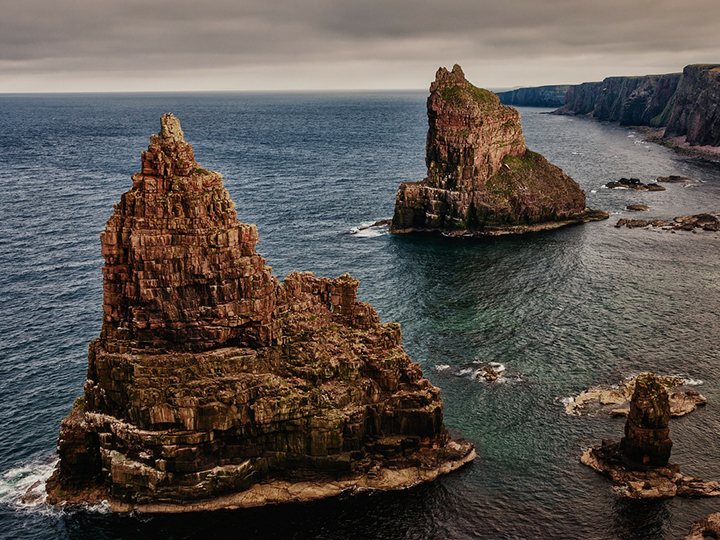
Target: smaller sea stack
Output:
{"points": [[647, 435], [481, 177], [639, 464]]}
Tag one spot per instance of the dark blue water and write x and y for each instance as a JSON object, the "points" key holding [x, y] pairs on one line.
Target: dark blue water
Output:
{"points": [[561, 310]]}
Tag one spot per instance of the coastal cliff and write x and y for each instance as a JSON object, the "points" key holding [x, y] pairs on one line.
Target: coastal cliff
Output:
{"points": [[630, 101], [537, 96], [481, 177], [213, 385], [685, 107]]}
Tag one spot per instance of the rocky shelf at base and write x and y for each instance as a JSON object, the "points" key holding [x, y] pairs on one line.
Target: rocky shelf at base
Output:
{"points": [[615, 400], [481, 178], [213, 385], [506, 230], [706, 222]]}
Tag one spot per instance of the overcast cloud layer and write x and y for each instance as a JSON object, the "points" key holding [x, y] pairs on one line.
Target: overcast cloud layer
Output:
{"points": [[125, 45]]}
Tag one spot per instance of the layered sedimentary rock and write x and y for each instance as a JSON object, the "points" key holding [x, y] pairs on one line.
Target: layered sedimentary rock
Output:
{"points": [[630, 101], [212, 385], [686, 105], [537, 96], [481, 177], [647, 433], [695, 113], [639, 463]]}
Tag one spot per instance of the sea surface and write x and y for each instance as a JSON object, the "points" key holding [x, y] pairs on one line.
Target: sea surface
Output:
{"points": [[560, 310]]}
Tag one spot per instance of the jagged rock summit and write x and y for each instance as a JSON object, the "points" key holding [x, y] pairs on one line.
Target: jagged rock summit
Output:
{"points": [[481, 177], [213, 385]]}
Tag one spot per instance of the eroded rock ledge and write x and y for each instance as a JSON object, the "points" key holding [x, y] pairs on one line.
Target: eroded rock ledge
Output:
{"points": [[213, 386], [481, 177], [706, 222], [615, 400]]}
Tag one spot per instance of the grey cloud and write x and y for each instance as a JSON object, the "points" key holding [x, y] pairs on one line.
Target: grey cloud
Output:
{"points": [[104, 35]]}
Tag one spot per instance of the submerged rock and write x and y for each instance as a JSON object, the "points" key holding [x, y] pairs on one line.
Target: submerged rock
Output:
{"points": [[638, 207], [707, 222], [212, 385], [639, 463], [615, 400], [481, 177], [634, 183], [673, 179]]}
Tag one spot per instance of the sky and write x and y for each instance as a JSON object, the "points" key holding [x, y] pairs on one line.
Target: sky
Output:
{"points": [[288, 45]]}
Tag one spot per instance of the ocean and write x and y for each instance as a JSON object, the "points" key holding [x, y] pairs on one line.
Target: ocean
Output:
{"points": [[560, 310]]}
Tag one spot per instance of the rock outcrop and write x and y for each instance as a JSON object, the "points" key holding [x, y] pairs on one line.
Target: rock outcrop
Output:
{"points": [[706, 222], [615, 400], [536, 96], [481, 177], [212, 385], [709, 527], [686, 106], [639, 463], [634, 183]]}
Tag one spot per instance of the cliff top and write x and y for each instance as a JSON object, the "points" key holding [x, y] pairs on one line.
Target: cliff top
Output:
{"points": [[455, 89]]}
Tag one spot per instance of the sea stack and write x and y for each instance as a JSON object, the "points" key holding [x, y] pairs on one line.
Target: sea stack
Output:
{"points": [[647, 434], [213, 385], [639, 463], [481, 177]]}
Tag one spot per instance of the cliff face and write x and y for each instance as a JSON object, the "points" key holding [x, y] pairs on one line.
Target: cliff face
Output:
{"points": [[695, 113], [537, 96], [480, 174], [630, 101], [213, 385], [687, 104]]}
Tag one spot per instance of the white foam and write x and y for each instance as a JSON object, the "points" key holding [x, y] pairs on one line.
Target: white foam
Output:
{"points": [[593, 191], [689, 381], [368, 229], [466, 371], [442, 367], [497, 366], [24, 486], [567, 400]]}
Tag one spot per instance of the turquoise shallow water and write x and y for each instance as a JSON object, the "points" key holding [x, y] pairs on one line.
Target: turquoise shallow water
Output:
{"points": [[561, 310]]}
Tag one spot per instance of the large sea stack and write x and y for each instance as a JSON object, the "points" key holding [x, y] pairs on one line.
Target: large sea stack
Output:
{"points": [[212, 385], [481, 177]]}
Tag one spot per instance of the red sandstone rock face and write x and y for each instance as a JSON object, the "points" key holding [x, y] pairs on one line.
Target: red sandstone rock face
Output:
{"points": [[181, 272], [480, 173], [211, 379], [647, 434], [470, 133]]}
